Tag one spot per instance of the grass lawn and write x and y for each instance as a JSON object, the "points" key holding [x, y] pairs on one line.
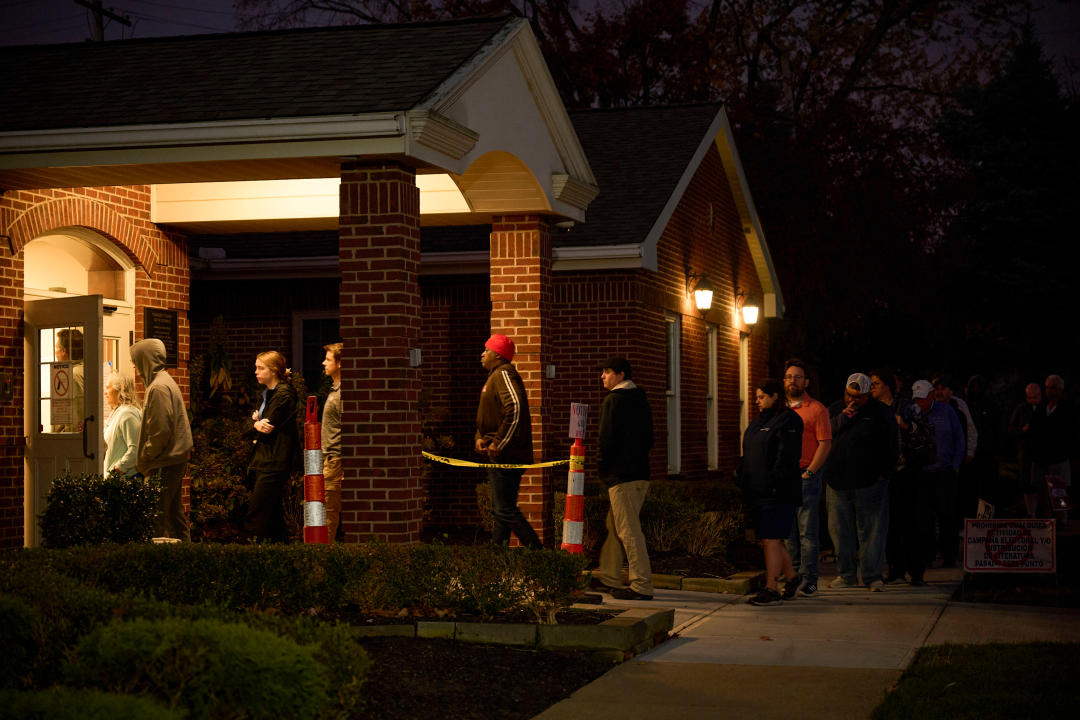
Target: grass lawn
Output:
{"points": [[984, 682]]}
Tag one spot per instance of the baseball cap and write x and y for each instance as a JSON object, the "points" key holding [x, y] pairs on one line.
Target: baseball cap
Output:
{"points": [[501, 344], [860, 380], [921, 389]]}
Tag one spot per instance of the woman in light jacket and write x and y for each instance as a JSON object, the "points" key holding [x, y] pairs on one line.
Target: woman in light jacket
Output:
{"points": [[123, 426], [277, 448]]}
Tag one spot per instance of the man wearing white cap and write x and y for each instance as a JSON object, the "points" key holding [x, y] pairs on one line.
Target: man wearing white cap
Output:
{"points": [[866, 442], [940, 475], [504, 436]]}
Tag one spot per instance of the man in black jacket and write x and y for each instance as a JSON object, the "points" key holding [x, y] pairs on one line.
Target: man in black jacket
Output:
{"points": [[865, 446], [626, 436], [504, 436]]}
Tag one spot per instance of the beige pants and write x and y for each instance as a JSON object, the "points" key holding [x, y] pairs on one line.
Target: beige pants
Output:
{"points": [[332, 474], [625, 539]]}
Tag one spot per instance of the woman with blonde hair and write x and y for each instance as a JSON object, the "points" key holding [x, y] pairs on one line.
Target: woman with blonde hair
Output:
{"points": [[123, 426], [277, 446]]}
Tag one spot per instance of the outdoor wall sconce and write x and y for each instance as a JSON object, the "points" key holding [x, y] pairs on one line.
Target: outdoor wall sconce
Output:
{"points": [[702, 290], [748, 308]]}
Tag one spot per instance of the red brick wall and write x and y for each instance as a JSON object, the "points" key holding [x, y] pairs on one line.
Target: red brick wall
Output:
{"points": [[456, 317], [120, 214], [379, 256]]}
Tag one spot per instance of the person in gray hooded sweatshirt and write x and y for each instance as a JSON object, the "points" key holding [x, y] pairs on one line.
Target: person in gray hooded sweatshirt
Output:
{"points": [[165, 438]]}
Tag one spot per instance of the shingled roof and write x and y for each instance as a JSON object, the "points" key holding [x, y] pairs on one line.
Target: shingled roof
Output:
{"points": [[638, 155], [205, 78]]}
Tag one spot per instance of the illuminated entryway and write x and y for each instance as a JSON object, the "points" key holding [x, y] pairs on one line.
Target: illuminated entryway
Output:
{"points": [[79, 295]]}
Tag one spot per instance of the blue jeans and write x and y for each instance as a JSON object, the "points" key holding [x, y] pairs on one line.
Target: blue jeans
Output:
{"points": [[859, 526], [802, 544]]}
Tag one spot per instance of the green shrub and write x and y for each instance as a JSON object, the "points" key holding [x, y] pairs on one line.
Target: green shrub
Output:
{"points": [[61, 703], [17, 639], [92, 509], [208, 668], [711, 533]]}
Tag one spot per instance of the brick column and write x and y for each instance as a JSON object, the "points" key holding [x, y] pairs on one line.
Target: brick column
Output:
{"points": [[11, 411], [521, 299], [379, 255]]}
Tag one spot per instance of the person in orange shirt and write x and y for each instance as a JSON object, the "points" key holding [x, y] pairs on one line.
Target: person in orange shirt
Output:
{"points": [[803, 542]]}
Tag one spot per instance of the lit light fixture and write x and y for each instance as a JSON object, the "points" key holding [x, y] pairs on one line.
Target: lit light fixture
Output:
{"points": [[702, 290], [749, 309]]}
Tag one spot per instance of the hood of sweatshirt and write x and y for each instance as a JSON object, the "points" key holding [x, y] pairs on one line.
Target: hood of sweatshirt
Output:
{"points": [[149, 358]]}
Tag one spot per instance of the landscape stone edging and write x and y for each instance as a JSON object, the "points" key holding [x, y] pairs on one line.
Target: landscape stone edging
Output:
{"points": [[632, 631], [741, 583]]}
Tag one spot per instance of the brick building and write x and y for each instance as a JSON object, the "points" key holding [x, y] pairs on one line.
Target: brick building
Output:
{"points": [[411, 187]]}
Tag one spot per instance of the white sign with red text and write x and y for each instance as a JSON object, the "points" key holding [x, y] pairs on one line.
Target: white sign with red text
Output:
{"points": [[1025, 546]]}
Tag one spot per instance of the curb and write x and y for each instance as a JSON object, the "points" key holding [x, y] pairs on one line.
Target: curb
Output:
{"points": [[629, 633], [741, 583]]}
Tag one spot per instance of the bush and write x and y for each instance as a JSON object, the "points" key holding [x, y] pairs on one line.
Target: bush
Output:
{"points": [[61, 703], [90, 509], [17, 638], [209, 668], [596, 509]]}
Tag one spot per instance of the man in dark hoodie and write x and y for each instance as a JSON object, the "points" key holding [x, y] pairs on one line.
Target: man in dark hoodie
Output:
{"points": [[626, 436], [165, 438]]}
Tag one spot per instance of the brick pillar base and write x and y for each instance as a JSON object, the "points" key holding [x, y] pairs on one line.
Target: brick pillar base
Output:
{"points": [[379, 255], [521, 298]]}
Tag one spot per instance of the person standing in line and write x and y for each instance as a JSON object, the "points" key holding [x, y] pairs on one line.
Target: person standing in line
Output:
{"points": [[866, 443], [504, 436], [941, 474], [1020, 431], [277, 448], [164, 438], [331, 439], [769, 478], [622, 460], [804, 541], [1053, 431], [122, 427]]}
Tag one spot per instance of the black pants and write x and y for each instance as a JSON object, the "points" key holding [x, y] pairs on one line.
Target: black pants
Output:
{"points": [[943, 485], [170, 518], [912, 505], [265, 519], [505, 484]]}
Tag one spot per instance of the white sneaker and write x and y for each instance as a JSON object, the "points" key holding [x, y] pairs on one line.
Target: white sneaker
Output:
{"points": [[840, 582], [877, 586]]}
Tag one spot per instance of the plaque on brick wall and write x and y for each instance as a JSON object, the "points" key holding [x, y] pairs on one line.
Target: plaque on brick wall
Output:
{"points": [[161, 324]]}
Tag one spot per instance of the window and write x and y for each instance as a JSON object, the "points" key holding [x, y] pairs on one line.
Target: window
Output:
{"points": [[674, 409], [312, 329], [62, 379], [711, 420]]}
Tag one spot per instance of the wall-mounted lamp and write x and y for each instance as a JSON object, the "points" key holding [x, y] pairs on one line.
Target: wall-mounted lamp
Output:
{"points": [[748, 308], [702, 290]]}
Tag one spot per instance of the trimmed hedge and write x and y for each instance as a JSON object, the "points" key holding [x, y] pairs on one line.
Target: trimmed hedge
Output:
{"points": [[377, 577], [89, 509], [61, 703], [208, 668]]}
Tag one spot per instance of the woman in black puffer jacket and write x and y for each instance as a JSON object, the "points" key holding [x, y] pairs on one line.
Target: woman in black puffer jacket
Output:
{"points": [[277, 446], [769, 478]]}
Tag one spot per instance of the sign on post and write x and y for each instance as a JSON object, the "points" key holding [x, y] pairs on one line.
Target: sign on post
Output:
{"points": [[1024, 546], [62, 389], [578, 413]]}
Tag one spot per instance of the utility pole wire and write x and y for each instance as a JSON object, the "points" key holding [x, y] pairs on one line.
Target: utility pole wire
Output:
{"points": [[98, 29]]}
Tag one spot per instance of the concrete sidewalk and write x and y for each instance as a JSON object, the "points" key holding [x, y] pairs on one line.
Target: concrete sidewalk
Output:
{"points": [[832, 655]]}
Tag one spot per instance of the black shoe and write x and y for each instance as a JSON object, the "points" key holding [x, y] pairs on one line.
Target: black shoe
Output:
{"points": [[917, 582], [766, 597], [628, 594], [790, 588]]}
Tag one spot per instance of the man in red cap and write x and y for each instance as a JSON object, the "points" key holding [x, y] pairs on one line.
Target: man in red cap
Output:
{"points": [[504, 435]]}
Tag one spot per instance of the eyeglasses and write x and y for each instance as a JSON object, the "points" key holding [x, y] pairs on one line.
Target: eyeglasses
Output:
{"points": [[794, 377]]}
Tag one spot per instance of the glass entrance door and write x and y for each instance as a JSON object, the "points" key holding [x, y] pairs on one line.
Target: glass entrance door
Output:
{"points": [[64, 397]]}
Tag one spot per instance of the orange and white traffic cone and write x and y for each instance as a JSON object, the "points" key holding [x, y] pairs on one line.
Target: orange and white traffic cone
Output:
{"points": [[314, 489], [574, 518]]}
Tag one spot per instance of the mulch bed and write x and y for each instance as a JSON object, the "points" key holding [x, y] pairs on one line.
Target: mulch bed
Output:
{"points": [[690, 566], [415, 679]]}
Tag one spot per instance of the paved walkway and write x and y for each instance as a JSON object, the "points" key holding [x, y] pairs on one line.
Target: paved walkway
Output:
{"points": [[833, 655]]}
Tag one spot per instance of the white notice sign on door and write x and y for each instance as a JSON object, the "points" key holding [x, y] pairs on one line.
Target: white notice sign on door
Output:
{"points": [[61, 390]]}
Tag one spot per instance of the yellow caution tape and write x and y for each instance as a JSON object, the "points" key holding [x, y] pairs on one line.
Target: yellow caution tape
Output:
{"points": [[466, 463]]}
